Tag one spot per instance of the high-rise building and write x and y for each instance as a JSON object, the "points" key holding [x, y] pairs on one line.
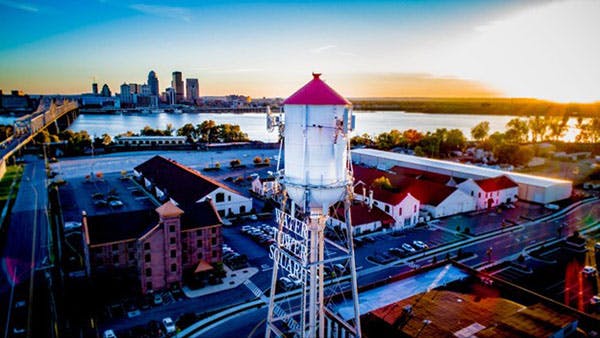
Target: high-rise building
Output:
{"points": [[134, 88], [105, 91], [125, 94], [177, 85], [145, 90], [153, 83], [170, 95], [95, 88], [191, 90]]}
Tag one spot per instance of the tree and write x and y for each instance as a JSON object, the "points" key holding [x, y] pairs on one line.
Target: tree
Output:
{"points": [[383, 183], [412, 137], [188, 131], [518, 130], [362, 140], [169, 130], [538, 128], [557, 126], [480, 131], [389, 140], [454, 140], [257, 160]]}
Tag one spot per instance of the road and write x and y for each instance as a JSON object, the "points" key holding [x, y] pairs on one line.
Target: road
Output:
{"points": [[26, 248]]}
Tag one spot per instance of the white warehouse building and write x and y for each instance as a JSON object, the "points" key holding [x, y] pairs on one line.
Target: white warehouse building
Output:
{"points": [[531, 188]]}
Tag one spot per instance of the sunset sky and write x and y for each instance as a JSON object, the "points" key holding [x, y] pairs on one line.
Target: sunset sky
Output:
{"points": [[542, 49]]}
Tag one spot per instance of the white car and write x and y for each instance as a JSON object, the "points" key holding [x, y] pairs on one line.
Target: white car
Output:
{"points": [[420, 245], [169, 325], [408, 247], [589, 271], [595, 300], [109, 334]]}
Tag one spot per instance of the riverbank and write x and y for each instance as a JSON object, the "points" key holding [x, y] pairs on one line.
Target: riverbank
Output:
{"points": [[480, 106]]}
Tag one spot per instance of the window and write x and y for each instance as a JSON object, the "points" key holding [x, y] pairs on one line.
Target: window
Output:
{"points": [[172, 240], [472, 193], [184, 246], [173, 253], [148, 285], [146, 246], [242, 209], [199, 243], [215, 253], [173, 267], [387, 208], [199, 255], [131, 256], [171, 228], [214, 230], [415, 208], [147, 258], [399, 211], [229, 198], [148, 272], [214, 241], [479, 195], [220, 197]]}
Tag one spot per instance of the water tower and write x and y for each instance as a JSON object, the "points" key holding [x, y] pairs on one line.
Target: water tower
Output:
{"points": [[316, 175]]}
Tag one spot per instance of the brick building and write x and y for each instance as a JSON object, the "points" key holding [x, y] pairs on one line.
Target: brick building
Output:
{"points": [[158, 244]]}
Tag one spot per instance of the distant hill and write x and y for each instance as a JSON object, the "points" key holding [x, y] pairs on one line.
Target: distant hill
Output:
{"points": [[481, 106]]}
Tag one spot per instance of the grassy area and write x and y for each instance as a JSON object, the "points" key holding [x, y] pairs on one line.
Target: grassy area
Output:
{"points": [[13, 172]]}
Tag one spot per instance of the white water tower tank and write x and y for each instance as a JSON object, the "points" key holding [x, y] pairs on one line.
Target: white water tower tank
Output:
{"points": [[317, 123]]}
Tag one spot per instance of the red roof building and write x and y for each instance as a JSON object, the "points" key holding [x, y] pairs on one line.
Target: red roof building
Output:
{"points": [[364, 218], [316, 92], [496, 183]]}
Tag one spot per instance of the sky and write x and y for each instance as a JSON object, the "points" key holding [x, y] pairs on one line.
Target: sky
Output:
{"points": [[427, 48]]}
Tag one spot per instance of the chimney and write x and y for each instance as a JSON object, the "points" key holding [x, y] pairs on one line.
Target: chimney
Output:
{"points": [[370, 199]]}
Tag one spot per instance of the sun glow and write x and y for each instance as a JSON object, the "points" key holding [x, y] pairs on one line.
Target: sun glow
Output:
{"points": [[549, 51]]}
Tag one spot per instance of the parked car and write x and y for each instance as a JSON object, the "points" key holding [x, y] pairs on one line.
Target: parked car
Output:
{"points": [[157, 299], [109, 334], [169, 325], [286, 283], [420, 245], [589, 271], [396, 252], [595, 300], [408, 247]]}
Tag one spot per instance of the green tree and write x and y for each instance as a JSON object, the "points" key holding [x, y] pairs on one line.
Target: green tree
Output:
{"points": [[518, 130], [454, 139], [362, 140], [389, 140], [169, 130], [188, 131], [412, 137], [480, 131]]}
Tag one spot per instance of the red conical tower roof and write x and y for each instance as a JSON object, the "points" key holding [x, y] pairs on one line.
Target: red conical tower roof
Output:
{"points": [[316, 92]]}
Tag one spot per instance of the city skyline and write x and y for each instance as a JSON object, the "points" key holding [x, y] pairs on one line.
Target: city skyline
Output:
{"points": [[384, 49]]}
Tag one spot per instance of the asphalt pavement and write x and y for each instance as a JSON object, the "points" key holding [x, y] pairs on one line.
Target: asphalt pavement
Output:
{"points": [[26, 248]]}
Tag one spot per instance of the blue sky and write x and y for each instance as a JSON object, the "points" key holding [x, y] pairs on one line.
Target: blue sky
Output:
{"points": [[262, 48]]}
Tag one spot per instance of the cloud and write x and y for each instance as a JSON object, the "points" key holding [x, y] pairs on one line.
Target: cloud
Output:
{"points": [[170, 12], [321, 49], [21, 6]]}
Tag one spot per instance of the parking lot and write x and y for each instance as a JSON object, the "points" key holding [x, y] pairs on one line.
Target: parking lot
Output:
{"points": [[480, 222]]}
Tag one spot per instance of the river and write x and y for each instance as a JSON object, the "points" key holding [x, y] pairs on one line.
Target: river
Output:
{"points": [[372, 122]]}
